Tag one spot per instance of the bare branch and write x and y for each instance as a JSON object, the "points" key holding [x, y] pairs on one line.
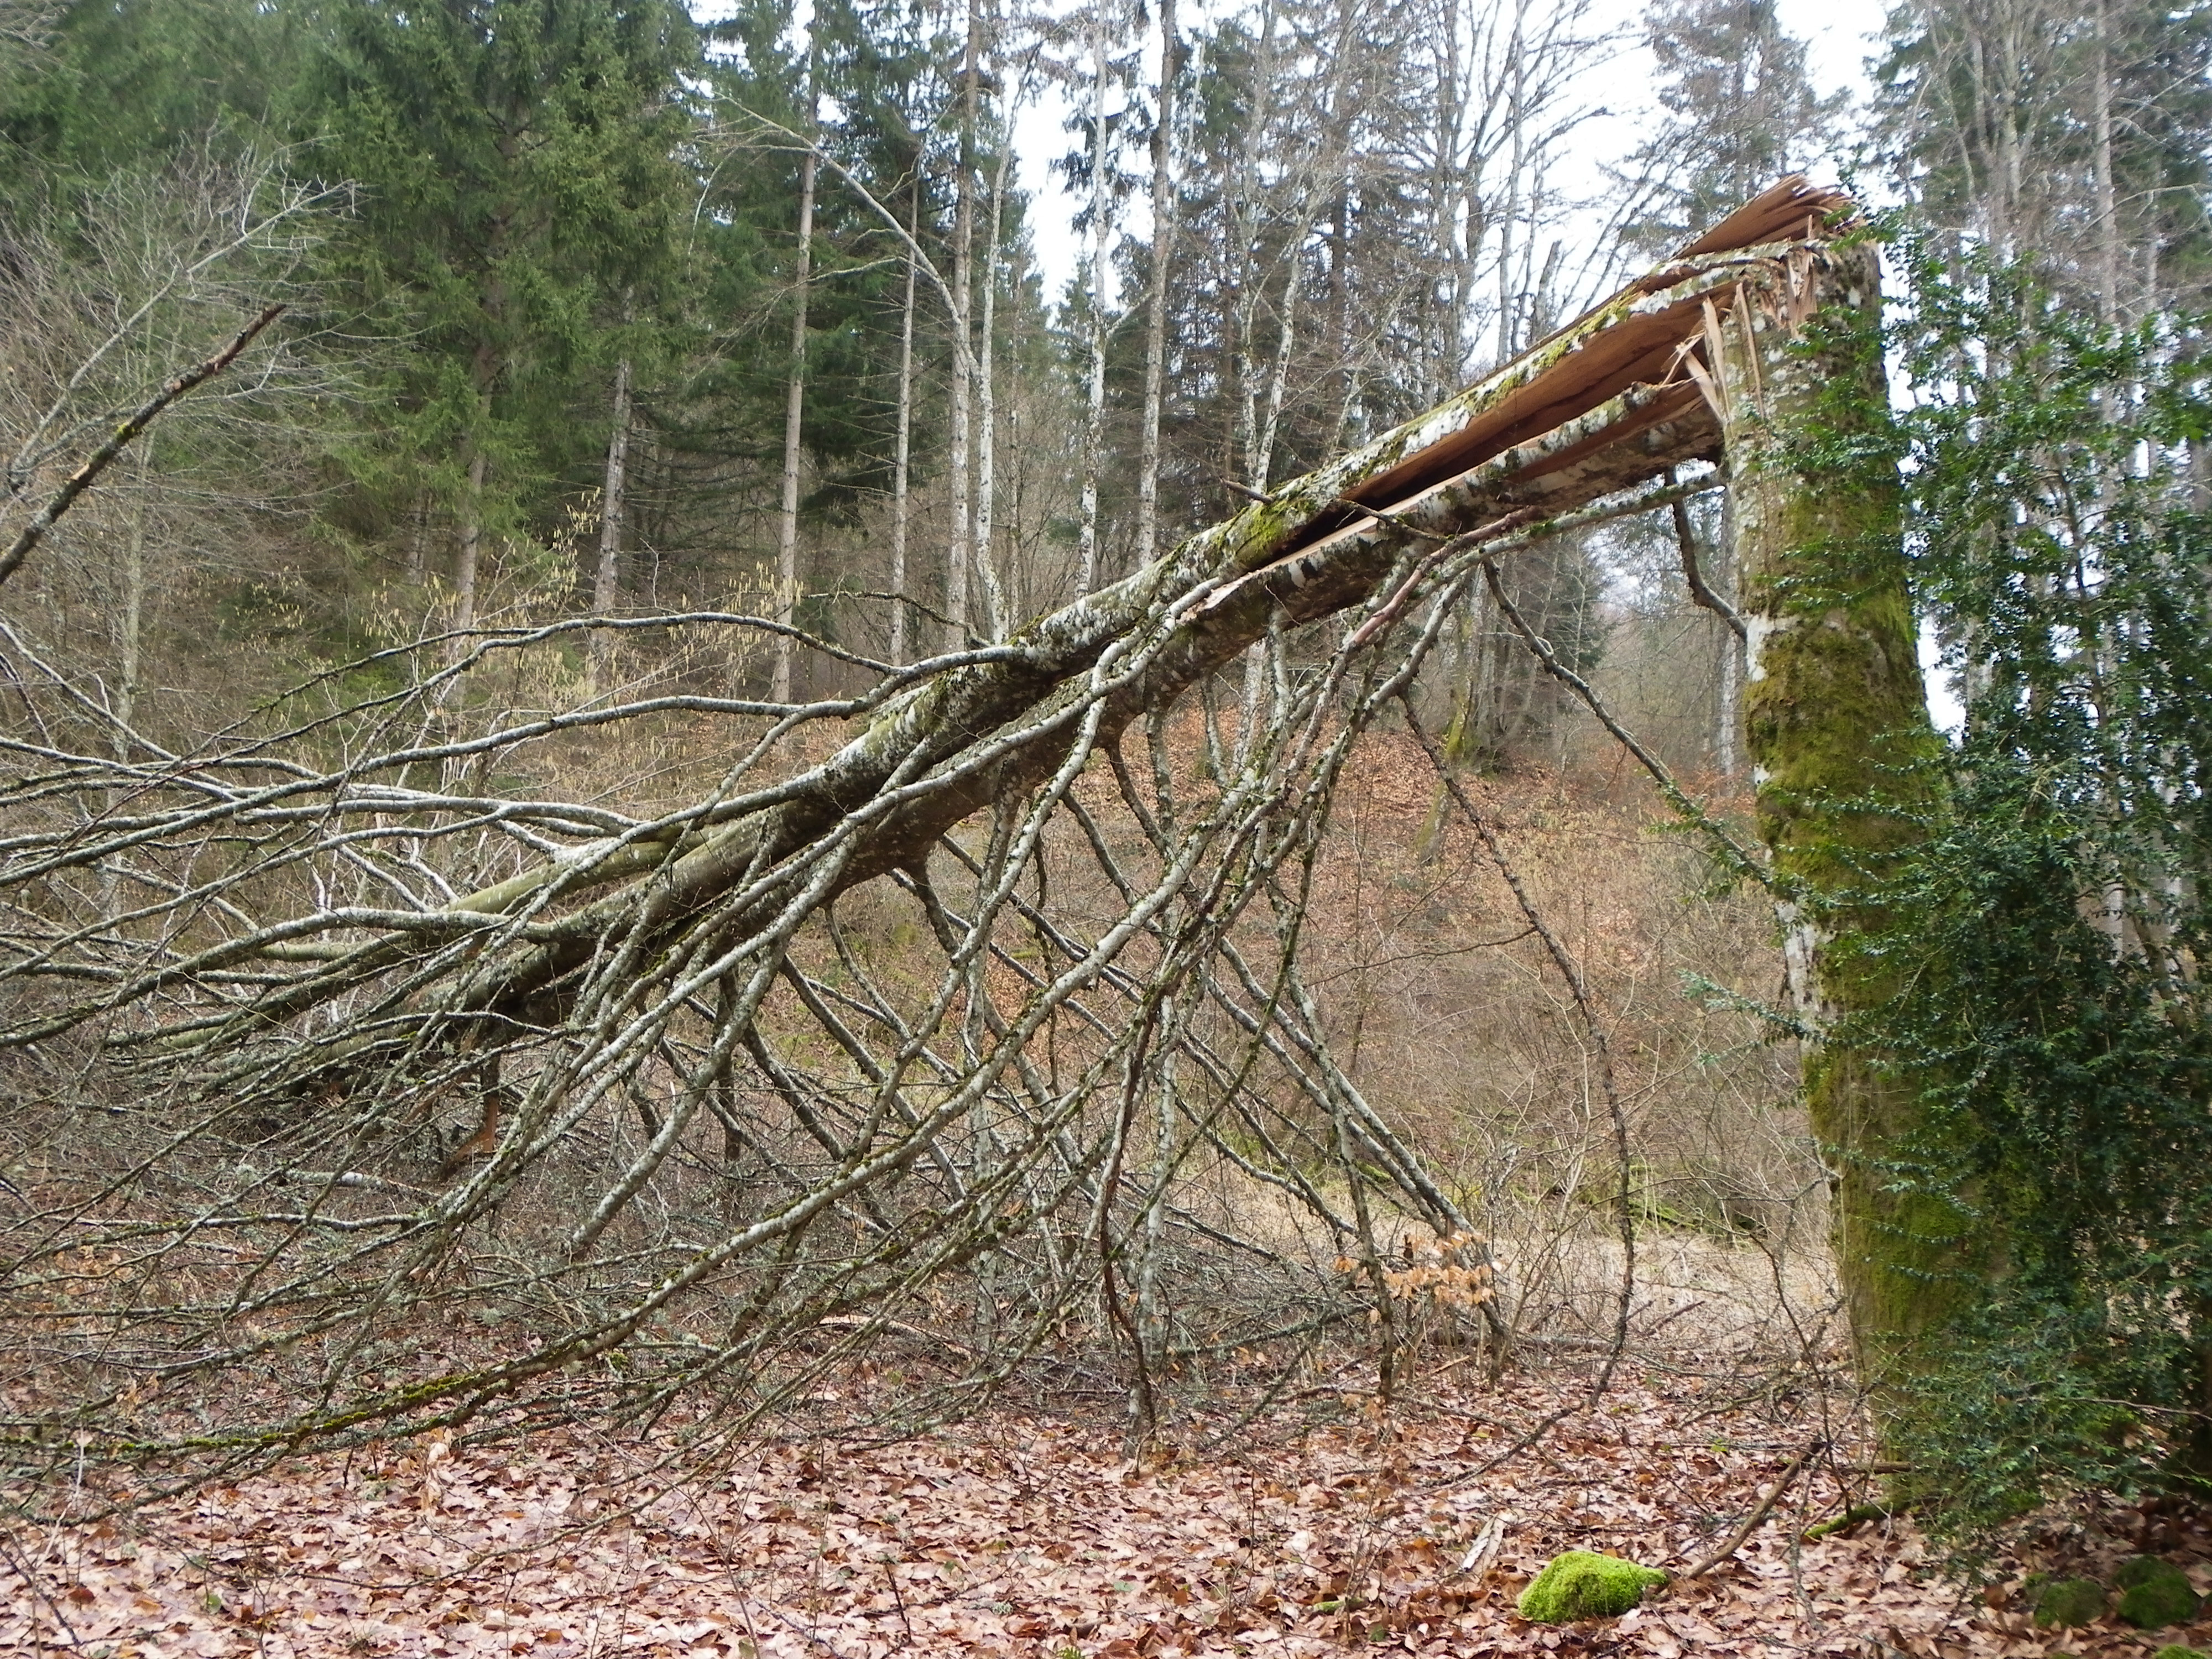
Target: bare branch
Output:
{"points": [[134, 423]]}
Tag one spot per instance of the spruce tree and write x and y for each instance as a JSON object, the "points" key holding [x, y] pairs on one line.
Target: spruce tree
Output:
{"points": [[1740, 113], [518, 178]]}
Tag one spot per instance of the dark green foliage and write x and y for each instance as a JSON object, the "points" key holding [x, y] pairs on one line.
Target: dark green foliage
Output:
{"points": [[532, 193], [2068, 1602], [2154, 1594], [175, 71], [520, 190], [2051, 1009]]}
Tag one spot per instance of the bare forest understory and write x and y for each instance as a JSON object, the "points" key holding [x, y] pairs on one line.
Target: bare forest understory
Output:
{"points": [[1286, 1506]]}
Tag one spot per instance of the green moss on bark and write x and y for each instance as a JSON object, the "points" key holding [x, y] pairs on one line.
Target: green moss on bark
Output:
{"points": [[1838, 729]]}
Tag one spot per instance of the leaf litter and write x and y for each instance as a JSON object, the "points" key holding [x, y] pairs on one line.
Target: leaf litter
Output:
{"points": [[1027, 1534]]}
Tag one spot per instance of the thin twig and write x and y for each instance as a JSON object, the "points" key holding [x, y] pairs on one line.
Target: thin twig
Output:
{"points": [[139, 419], [1686, 540], [1751, 1522]]}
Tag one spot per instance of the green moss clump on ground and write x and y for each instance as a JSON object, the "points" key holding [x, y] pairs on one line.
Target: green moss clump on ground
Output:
{"points": [[2175, 1650], [2069, 1602], [2154, 1594], [1580, 1585]]}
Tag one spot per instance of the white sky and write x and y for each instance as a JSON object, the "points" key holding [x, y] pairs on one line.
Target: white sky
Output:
{"points": [[1839, 36]]}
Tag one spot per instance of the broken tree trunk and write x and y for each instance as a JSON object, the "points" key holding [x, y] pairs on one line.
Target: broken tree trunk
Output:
{"points": [[1608, 402], [585, 1015], [1840, 733]]}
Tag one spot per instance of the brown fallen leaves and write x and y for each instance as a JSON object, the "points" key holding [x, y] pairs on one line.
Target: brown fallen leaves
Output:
{"points": [[1017, 1535]]}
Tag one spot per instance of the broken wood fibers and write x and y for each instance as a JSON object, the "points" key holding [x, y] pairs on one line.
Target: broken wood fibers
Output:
{"points": [[1644, 348]]}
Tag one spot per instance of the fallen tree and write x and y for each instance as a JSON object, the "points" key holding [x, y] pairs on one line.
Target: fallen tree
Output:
{"points": [[591, 988]]}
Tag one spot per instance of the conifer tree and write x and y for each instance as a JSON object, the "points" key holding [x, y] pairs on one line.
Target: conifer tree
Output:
{"points": [[1740, 113], [518, 175]]}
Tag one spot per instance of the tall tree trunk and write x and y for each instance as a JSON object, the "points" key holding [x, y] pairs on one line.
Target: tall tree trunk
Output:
{"points": [[2108, 206], [996, 621], [418, 534], [484, 369], [1518, 126], [606, 578], [471, 542], [963, 236], [128, 624], [1838, 730], [1728, 717], [1094, 426], [1279, 374], [902, 445], [1155, 295], [1244, 259], [787, 529], [1340, 298], [130, 644]]}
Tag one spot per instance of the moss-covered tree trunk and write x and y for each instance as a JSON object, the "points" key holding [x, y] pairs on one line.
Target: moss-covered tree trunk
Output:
{"points": [[1838, 733]]}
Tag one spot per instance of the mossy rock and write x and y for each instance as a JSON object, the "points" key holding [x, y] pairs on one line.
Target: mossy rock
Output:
{"points": [[2154, 1594], [2069, 1602], [1581, 1585], [2175, 1650], [2139, 1570]]}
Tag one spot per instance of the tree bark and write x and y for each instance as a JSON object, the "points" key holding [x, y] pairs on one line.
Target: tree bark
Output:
{"points": [[1094, 422], [2108, 205], [1518, 126], [1250, 278], [419, 532], [995, 618], [606, 578], [1837, 731], [902, 449], [964, 234], [787, 534], [129, 670], [1155, 295], [470, 544]]}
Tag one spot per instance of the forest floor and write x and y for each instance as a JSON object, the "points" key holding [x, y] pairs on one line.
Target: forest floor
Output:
{"points": [[1027, 1534]]}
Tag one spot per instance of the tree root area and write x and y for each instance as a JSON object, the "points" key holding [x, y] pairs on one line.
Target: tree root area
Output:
{"points": [[1326, 1525]]}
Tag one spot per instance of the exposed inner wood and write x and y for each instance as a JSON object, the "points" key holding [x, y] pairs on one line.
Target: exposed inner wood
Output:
{"points": [[1635, 346]]}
